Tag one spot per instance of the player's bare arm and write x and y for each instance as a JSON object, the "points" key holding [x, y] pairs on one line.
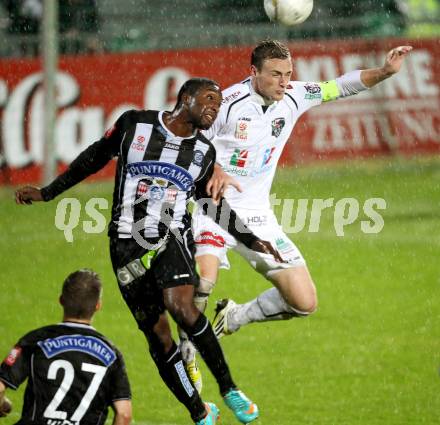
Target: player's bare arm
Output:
{"points": [[123, 412], [392, 65], [219, 182]]}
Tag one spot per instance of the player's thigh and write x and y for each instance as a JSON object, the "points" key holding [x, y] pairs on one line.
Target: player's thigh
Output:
{"points": [[208, 265], [297, 288], [212, 244], [265, 264]]}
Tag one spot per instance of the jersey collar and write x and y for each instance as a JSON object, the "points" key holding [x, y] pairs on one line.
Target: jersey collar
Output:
{"points": [[170, 133], [76, 325], [257, 98]]}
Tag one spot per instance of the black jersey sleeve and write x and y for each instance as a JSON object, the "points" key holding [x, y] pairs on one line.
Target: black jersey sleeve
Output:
{"points": [[16, 366], [120, 386], [89, 161], [222, 213]]}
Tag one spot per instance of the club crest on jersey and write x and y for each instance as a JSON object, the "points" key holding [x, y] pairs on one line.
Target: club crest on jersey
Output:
{"points": [[84, 343], [162, 170], [198, 158], [277, 126], [241, 130], [155, 190]]}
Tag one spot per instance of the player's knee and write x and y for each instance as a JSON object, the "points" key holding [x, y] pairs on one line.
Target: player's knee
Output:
{"points": [[302, 306], [203, 291], [184, 313]]}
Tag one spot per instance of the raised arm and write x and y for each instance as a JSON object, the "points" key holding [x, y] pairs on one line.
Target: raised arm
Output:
{"points": [[393, 62]]}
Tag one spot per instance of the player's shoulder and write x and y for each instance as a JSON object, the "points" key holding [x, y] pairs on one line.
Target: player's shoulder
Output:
{"points": [[210, 149], [235, 93], [132, 117], [140, 115], [34, 336]]}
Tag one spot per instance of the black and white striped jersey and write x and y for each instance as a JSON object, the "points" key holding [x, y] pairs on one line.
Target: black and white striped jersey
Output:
{"points": [[157, 173], [74, 374]]}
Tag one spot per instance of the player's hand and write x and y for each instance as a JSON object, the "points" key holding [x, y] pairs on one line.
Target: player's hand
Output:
{"points": [[394, 59], [5, 407], [219, 182], [25, 195], [266, 247]]}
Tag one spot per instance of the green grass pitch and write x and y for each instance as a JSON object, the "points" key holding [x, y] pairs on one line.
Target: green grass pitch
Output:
{"points": [[369, 355]]}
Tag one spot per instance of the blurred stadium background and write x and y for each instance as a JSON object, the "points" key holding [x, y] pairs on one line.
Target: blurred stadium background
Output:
{"points": [[370, 355]]}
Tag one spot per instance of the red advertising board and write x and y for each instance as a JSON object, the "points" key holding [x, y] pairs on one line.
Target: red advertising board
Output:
{"points": [[400, 115]]}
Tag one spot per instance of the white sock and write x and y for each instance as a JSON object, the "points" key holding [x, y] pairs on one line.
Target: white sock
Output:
{"points": [[268, 306]]}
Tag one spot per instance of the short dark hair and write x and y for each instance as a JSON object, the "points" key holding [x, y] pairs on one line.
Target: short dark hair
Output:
{"points": [[268, 49], [80, 294], [193, 85]]}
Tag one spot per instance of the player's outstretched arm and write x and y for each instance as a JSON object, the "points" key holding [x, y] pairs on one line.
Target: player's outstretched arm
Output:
{"points": [[392, 65], [219, 182], [5, 403], [28, 194], [123, 412]]}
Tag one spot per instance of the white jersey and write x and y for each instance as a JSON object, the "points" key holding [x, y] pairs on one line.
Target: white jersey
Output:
{"points": [[249, 140]]}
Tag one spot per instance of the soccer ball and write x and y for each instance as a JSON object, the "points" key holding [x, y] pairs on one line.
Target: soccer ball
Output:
{"points": [[288, 12]]}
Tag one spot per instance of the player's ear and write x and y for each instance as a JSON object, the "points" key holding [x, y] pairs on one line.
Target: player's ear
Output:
{"points": [[186, 99], [98, 305], [60, 300], [254, 70]]}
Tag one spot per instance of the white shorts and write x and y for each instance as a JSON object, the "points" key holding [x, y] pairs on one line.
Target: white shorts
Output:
{"points": [[211, 239]]}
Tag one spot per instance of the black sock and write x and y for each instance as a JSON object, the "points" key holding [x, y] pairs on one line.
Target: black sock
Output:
{"points": [[173, 373], [203, 337]]}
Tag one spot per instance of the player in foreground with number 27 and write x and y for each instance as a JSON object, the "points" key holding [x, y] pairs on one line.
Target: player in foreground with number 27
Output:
{"points": [[255, 121], [74, 373]]}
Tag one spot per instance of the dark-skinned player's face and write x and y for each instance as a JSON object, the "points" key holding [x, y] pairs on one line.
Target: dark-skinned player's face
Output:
{"points": [[203, 107]]}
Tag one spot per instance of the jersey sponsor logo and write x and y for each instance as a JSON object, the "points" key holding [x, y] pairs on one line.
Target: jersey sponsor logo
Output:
{"points": [[138, 144], [283, 246], [231, 97], [210, 238], [257, 220], [239, 158], [245, 119], [13, 355], [237, 171], [198, 158], [85, 344], [241, 130], [172, 146], [170, 172], [277, 126], [267, 156], [313, 91]]}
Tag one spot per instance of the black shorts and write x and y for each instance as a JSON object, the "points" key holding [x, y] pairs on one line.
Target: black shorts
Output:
{"points": [[141, 284], [174, 264]]}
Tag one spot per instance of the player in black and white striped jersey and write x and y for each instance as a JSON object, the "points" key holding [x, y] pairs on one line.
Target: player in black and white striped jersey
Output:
{"points": [[163, 161]]}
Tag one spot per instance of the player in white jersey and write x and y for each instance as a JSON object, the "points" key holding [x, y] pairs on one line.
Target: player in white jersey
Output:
{"points": [[255, 121]]}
